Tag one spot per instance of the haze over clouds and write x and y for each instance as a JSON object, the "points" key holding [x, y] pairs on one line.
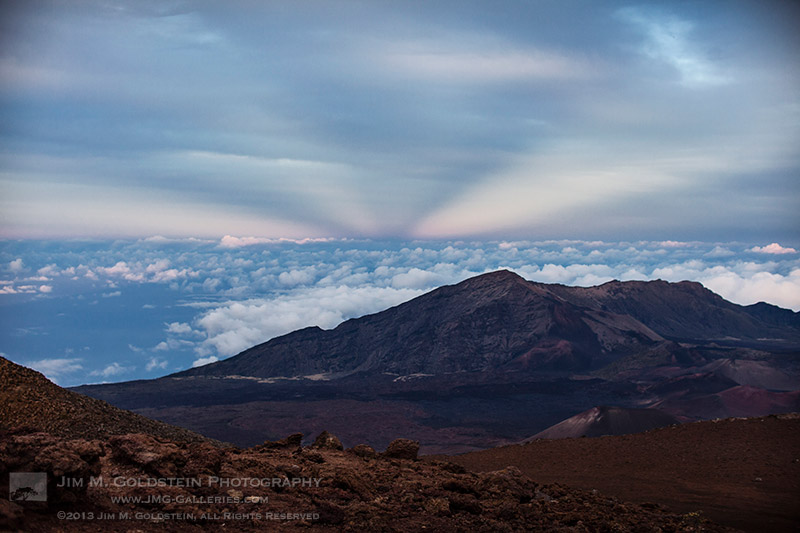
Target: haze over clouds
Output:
{"points": [[610, 120]]}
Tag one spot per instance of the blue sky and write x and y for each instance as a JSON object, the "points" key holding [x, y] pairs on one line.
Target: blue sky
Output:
{"points": [[181, 180], [598, 120]]}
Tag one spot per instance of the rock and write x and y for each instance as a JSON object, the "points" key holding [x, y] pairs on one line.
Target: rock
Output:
{"points": [[292, 441], [363, 450], [402, 449], [326, 441], [313, 457], [147, 452]]}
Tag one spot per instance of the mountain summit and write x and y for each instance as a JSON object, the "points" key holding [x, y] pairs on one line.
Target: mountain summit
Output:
{"points": [[492, 359], [499, 322]]}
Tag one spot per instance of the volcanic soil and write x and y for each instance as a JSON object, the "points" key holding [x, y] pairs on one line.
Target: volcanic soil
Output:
{"points": [[743, 473]]}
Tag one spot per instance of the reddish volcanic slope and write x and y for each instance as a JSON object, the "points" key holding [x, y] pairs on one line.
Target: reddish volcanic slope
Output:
{"points": [[604, 420], [744, 473], [28, 399]]}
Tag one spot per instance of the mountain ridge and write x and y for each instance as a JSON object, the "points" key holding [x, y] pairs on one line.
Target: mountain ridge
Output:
{"points": [[501, 322]]}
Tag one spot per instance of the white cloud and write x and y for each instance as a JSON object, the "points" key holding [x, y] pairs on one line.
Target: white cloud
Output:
{"points": [[416, 278], [56, 368], [773, 248], [48, 271], [121, 269], [45, 288], [16, 266], [172, 344], [204, 361], [155, 363], [179, 328], [229, 241], [297, 277], [783, 291], [239, 325], [114, 369]]}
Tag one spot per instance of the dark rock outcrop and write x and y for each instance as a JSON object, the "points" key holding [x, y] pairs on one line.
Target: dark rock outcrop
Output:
{"points": [[326, 441], [402, 449]]}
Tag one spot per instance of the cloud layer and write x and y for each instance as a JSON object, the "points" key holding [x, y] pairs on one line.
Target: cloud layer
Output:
{"points": [[134, 309]]}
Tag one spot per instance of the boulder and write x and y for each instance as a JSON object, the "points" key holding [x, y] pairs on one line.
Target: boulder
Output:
{"points": [[327, 441], [402, 449], [363, 450]]}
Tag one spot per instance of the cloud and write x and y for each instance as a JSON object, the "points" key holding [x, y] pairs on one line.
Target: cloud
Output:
{"points": [[428, 61], [242, 296], [297, 277], [56, 368], [204, 361], [415, 279], [16, 266], [229, 241], [781, 290], [48, 270], [239, 325], [179, 328], [172, 345], [773, 248], [114, 369], [669, 39], [156, 364]]}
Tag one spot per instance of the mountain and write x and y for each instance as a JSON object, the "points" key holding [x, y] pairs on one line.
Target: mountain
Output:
{"points": [[30, 400], [494, 322], [499, 322], [491, 360], [687, 311], [604, 420]]}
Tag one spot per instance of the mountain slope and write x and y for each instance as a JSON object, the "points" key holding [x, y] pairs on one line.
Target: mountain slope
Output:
{"points": [[603, 420], [688, 311], [30, 400], [493, 322], [499, 322]]}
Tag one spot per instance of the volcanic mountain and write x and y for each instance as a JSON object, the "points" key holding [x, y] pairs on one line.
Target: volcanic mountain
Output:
{"points": [[500, 322], [604, 420], [491, 360], [30, 400]]}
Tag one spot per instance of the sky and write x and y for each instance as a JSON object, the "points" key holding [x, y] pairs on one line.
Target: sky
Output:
{"points": [[414, 119], [181, 180]]}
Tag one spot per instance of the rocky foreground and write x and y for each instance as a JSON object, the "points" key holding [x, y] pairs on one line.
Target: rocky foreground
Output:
{"points": [[139, 482]]}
